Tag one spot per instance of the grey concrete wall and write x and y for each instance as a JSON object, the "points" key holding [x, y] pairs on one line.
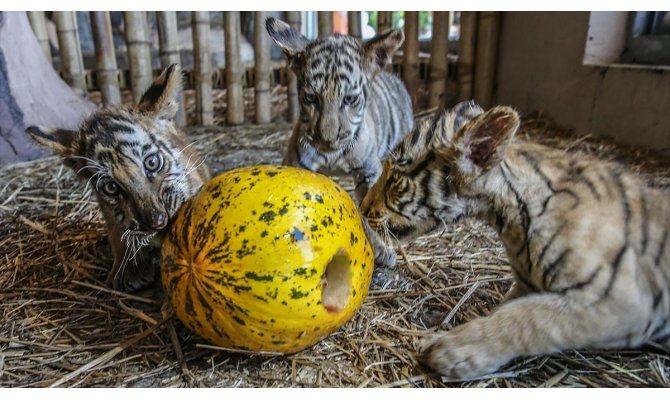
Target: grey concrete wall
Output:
{"points": [[540, 68]]}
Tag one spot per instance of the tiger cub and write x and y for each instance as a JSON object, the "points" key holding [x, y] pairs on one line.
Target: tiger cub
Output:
{"points": [[352, 112], [142, 168], [587, 242]]}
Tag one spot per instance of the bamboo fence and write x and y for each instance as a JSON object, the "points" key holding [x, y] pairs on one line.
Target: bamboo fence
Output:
{"points": [[428, 75]]}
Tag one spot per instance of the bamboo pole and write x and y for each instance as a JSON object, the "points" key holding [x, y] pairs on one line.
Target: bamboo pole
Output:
{"points": [[72, 63], [139, 54], [384, 21], [168, 42], [293, 19], [263, 99], [325, 22], [105, 57], [466, 54], [439, 49], [202, 57], [354, 23], [234, 71], [488, 23], [39, 24], [410, 59]]}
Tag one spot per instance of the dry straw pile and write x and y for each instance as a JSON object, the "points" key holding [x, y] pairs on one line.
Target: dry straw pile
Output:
{"points": [[60, 326]]}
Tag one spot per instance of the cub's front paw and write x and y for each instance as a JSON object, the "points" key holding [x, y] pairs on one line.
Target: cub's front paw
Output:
{"points": [[137, 277], [457, 356], [384, 256]]}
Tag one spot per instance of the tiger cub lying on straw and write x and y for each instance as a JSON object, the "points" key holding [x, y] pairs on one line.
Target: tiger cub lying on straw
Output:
{"points": [[587, 242], [142, 168]]}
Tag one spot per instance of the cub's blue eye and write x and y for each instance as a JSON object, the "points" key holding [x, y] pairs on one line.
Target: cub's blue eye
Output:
{"points": [[350, 99], [111, 188], [153, 162]]}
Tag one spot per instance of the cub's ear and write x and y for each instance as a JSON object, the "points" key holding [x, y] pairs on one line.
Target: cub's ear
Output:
{"points": [[289, 40], [481, 143], [59, 141], [451, 121], [161, 97], [379, 50]]}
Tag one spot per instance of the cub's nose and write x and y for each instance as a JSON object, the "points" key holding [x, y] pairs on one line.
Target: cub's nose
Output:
{"points": [[159, 220]]}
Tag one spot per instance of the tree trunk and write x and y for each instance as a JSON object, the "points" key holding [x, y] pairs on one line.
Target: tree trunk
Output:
{"points": [[31, 92]]}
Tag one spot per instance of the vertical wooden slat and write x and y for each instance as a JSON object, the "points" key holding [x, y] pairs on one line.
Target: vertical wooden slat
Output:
{"points": [[139, 54], [293, 19], [325, 19], [488, 23], [72, 64], [263, 99], [384, 22], [410, 59], [168, 42], [202, 57], [354, 23], [39, 24], [439, 48], [235, 96], [466, 54], [105, 57]]}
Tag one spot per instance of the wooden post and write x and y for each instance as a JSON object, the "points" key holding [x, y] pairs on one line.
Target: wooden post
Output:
{"points": [[72, 63], [139, 54], [384, 22], [168, 42], [488, 23], [354, 23], [39, 24], [466, 54], [410, 59], [235, 96], [325, 22], [263, 99], [105, 57], [293, 19], [439, 48], [202, 57]]}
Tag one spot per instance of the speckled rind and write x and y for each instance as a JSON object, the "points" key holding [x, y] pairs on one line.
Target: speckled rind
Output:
{"points": [[244, 260]]}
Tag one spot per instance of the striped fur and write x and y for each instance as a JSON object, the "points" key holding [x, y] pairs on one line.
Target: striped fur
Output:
{"points": [[587, 241], [352, 112], [142, 168]]}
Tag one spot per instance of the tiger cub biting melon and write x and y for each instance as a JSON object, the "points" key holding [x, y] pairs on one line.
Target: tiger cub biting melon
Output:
{"points": [[142, 168], [587, 241]]}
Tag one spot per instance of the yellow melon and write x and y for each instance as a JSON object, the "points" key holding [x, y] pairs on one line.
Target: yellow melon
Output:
{"points": [[267, 258]]}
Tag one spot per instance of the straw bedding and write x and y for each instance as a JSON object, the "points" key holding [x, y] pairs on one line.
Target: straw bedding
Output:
{"points": [[60, 326]]}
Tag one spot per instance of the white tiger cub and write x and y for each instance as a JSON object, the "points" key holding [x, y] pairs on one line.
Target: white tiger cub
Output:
{"points": [[352, 112], [587, 241]]}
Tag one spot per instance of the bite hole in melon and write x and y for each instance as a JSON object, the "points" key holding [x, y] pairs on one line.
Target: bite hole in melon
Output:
{"points": [[337, 283]]}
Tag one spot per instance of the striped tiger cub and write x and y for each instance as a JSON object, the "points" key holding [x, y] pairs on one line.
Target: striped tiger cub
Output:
{"points": [[352, 112], [587, 241], [142, 168]]}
